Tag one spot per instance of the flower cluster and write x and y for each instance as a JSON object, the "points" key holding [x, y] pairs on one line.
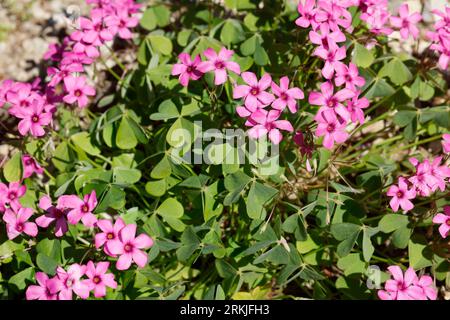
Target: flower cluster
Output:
{"points": [[407, 286], [35, 104], [71, 281], [428, 178], [440, 37], [338, 106]]}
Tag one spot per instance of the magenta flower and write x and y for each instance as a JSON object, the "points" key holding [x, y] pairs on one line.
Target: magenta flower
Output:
{"points": [[422, 180], [309, 15], [330, 128], [21, 95], [121, 23], [446, 142], [401, 195], [254, 93], [286, 97], [348, 76], [219, 63], [33, 118], [128, 247], [326, 38], [94, 29], [377, 18], [58, 75], [355, 106], [110, 233], [80, 46], [30, 166], [328, 100], [266, 122], [16, 219], [53, 213], [187, 69], [80, 209], [99, 279], [77, 91], [12, 193], [440, 173], [71, 282], [407, 23], [335, 15], [426, 284], [332, 57], [46, 290], [444, 220], [402, 287]]}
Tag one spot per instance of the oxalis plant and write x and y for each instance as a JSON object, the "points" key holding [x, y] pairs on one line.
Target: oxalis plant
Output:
{"points": [[236, 149]]}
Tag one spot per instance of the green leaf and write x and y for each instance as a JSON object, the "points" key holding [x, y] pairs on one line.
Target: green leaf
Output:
{"points": [[13, 169], [248, 47], [46, 264], [126, 176], [63, 157], [396, 71], [232, 32], [156, 188], [392, 222], [162, 170], [125, 135], [259, 195], [404, 117], [161, 44], [260, 56], [400, 237], [347, 233], [367, 246], [379, 88], [420, 255], [170, 208], [166, 110], [19, 279], [362, 57], [83, 141], [155, 16]]}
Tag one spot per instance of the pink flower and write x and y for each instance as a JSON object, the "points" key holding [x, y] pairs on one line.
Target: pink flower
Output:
{"points": [[402, 287], [30, 166], [330, 128], [328, 100], [71, 282], [12, 193], [33, 118], [286, 97], [99, 279], [254, 93], [355, 106], [309, 14], [423, 180], [444, 220], [332, 57], [81, 209], [446, 142], [121, 23], [128, 247], [80, 46], [440, 173], [426, 284], [187, 69], [53, 213], [335, 15], [110, 233], [95, 30], [266, 122], [348, 75], [401, 195], [326, 38], [46, 290], [407, 23], [219, 63], [16, 219], [21, 95], [58, 75], [77, 91]]}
